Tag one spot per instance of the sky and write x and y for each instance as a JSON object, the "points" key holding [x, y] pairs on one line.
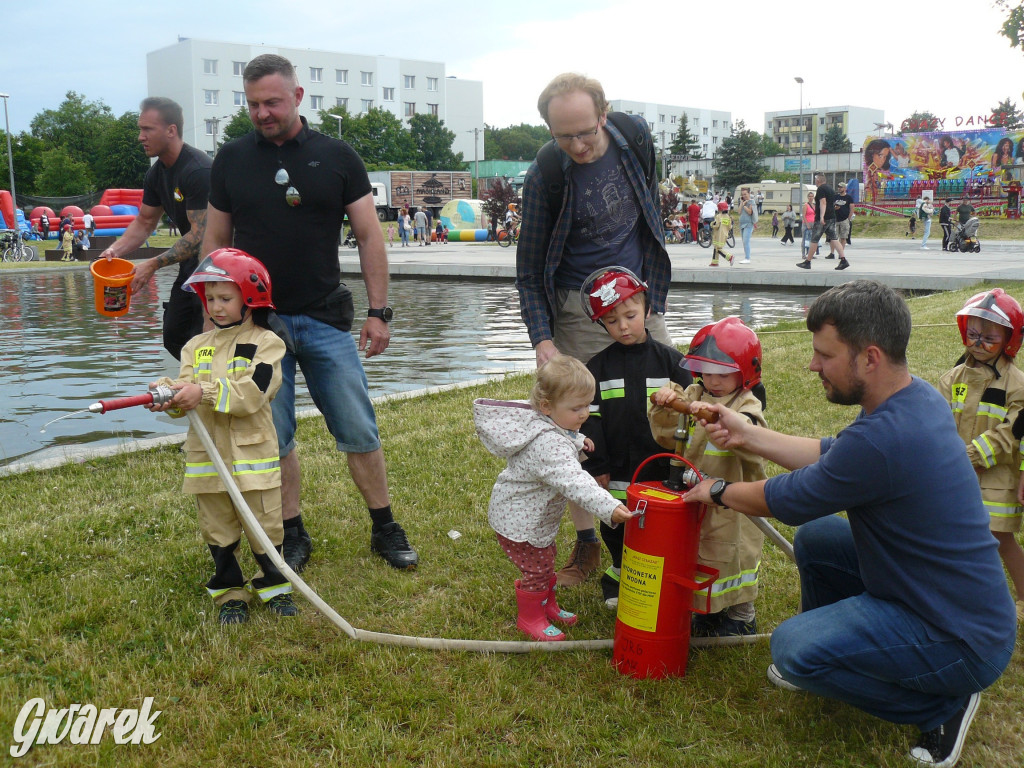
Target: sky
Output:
{"points": [[943, 56]]}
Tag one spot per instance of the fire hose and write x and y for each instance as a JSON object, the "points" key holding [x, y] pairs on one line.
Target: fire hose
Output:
{"points": [[162, 394]]}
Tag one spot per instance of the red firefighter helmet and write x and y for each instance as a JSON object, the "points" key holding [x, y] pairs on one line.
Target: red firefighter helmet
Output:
{"points": [[727, 346], [723, 206], [607, 288], [999, 307], [230, 265]]}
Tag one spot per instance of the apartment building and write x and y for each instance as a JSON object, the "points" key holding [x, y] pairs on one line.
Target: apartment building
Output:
{"points": [[785, 126], [711, 127]]}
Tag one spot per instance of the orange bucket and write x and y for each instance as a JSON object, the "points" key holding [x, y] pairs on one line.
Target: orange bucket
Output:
{"points": [[112, 285]]}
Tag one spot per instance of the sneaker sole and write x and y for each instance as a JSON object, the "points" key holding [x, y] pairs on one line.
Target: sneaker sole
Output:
{"points": [[954, 755], [779, 681]]}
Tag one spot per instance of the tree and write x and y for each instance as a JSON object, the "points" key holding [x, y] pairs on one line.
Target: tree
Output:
{"points": [[787, 177], [1013, 27], [236, 127], [122, 163], [770, 147], [433, 144], [63, 176], [27, 152], [1005, 114], [76, 124], [920, 122], [739, 158], [517, 142], [835, 140], [380, 139], [497, 198], [684, 142]]}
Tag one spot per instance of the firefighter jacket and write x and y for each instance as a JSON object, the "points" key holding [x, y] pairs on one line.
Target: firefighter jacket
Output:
{"points": [[626, 376], [728, 540], [543, 472], [988, 407], [239, 370]]}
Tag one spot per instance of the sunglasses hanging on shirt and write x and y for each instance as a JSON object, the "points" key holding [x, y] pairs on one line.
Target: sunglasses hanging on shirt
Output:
{"points": [[291, 194]]}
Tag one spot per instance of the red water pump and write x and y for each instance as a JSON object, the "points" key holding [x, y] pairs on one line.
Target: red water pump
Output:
{"points": [[659, 576]]}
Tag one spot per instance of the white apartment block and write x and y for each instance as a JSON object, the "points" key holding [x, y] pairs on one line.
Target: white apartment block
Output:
{"points": [[711, 127], [856, 123], [205, 77]]}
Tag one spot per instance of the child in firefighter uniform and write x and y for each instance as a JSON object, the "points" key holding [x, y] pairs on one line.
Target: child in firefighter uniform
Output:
{"points": [[986, 392], [627, 371], [230, 375], [542, 443], [727, 357]]}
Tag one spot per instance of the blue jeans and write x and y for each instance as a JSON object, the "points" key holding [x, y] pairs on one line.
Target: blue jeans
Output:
{"points": [[746, 231], [405, 235], [927, 231], [874, 654], [336, 381]]}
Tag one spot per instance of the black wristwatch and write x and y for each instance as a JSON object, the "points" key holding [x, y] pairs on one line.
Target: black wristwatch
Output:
{"points": [[384, 313], [717, 489]]}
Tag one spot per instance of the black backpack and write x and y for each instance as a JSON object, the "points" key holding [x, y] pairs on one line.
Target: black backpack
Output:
{"points": [[550, 164]]}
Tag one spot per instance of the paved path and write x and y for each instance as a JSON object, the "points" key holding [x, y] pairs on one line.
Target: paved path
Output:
{"points": [[898, 263]]}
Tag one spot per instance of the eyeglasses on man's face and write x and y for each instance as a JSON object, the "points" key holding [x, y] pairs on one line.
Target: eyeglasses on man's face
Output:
{"points": [[585, 136], [291, 195]]}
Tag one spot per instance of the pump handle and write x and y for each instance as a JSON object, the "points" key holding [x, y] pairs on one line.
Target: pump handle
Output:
{"points": [[680, 406]]}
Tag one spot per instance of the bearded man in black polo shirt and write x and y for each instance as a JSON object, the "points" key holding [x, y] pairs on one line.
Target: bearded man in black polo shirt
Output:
{"points": [[281, 194]]}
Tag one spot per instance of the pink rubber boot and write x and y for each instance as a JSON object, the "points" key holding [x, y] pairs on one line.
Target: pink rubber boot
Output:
{"points": [[532, 619], [553, 612]]}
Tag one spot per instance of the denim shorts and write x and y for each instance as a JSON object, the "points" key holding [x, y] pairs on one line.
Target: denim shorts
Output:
{"points": [[334, 375]]}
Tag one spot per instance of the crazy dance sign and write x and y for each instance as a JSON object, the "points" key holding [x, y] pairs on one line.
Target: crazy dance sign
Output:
{"points": [[982, 162]]}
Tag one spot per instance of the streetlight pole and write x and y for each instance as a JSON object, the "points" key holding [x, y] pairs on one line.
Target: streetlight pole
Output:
{"points": [[800, 156], [10, 167], [339, 119]]}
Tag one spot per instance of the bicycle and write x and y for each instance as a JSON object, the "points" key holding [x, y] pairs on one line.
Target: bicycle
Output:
{"points": [[12, 248], [704, 237], [508, 236]]}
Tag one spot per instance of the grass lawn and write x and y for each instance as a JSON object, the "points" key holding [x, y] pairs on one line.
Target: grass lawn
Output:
{"points": [[101, 573]]}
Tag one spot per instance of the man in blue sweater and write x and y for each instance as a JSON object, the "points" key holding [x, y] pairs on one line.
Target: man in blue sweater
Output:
{"points": [[906, 613]]}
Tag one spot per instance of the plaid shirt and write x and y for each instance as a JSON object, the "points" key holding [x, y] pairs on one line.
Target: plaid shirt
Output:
{"points": [[542, 240]]}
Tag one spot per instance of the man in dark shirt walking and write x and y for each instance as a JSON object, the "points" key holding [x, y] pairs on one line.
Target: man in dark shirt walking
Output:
{"points": [[824, 224]]}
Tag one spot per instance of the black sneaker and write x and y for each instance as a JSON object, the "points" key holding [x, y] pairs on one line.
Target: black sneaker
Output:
{"points": [[234, 612], [830, 256], [297, 547], [733, 628], [282, 605], [705, 624], [390, 543], [610, 590], [805, 264], [940, 747], [843, 264]]}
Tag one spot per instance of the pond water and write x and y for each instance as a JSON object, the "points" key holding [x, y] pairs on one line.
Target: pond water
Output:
{"points": [[58, 355]]}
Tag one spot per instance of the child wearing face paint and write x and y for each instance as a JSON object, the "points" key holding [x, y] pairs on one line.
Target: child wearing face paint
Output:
{"points": [[229, 376], [542, 443], [986, 392], [726, 356]]}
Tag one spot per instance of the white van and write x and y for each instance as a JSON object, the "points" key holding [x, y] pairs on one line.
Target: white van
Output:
{"points": [[777, 194]]}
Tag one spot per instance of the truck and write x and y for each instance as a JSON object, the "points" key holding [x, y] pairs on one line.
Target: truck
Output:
{"points": [[394, 190]]}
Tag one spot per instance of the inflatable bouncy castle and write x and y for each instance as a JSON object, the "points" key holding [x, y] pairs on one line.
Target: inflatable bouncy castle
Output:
{"points": [[116, 209]]}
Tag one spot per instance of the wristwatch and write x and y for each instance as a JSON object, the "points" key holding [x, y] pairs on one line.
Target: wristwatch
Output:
{"points": [[384, 313], [717, 489]]}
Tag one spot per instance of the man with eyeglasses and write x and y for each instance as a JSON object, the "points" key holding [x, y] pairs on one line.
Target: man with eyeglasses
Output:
{"points": [[177, 184], [281, 194], [610, 215]]}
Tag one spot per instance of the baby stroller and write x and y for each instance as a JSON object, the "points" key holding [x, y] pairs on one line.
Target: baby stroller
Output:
{"points": [[965, 236]]}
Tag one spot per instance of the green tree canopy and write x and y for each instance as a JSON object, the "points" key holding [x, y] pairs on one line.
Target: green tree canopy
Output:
{"points": [[122, 163], [78, 125], [1013, 27], [517, 142], [61, 175], [835, 140], [496, 199], [685, 141], [433, 143], [770, 147], [27, 152], [1007, 115], [236, 127], [919, 122], [377, 135], [739, 159]]}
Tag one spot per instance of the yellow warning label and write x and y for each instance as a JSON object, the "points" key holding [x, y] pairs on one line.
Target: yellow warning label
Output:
{"points": [[640, 589], [663, 495]]}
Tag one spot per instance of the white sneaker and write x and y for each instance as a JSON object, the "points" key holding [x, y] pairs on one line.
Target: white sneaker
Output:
{"points": [[925, 248], [779, 681], [745, 261]]}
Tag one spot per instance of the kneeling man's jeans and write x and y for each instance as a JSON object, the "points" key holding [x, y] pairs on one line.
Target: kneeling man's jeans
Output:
{"points": [[871, 653]]}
